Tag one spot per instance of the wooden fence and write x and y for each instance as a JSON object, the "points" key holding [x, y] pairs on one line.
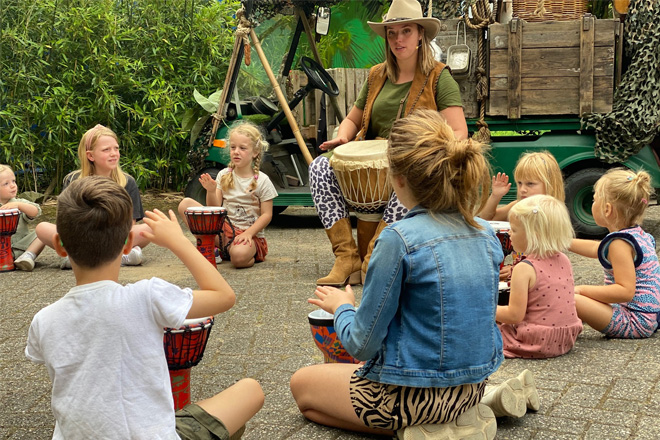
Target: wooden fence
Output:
{"points": [[349, 82]]}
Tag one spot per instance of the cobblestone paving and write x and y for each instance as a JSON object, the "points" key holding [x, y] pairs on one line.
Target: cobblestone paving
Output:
{"points": [[602, 389]]}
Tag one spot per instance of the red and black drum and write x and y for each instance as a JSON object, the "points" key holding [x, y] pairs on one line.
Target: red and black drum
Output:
{"points": [[206, 222], [184, 348], [8, 225], [502, 230]]}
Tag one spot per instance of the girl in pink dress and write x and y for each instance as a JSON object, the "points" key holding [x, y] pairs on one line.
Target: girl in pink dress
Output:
{"points": [[540, 320]]}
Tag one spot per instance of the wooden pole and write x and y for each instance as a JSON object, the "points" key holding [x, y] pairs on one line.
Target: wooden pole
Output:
{"points": [[281, 98], [220, 113]]}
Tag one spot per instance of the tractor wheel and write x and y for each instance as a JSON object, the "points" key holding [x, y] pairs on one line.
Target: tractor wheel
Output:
{"points": [[579, 198]]}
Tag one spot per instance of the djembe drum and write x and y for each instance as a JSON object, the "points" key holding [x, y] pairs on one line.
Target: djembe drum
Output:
{"points": [[8, 225], [325, 337], [361, 168], [206, 222], [502, 230], [184, 348]]}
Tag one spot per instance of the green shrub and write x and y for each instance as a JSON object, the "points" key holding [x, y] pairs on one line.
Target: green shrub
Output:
{"points": [[66, 65]]}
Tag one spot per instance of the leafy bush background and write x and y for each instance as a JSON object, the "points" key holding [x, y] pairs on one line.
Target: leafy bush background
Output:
{"points": [[66, 65]]}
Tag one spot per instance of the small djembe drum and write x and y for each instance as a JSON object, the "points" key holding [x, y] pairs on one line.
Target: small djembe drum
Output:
{"points": [[184, 348], [325, 337], [361, 168], [502, 230], [8, 225], [206, 222]]}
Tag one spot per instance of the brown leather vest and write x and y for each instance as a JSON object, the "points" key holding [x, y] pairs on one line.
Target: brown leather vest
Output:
{"points": [[422, 93]]}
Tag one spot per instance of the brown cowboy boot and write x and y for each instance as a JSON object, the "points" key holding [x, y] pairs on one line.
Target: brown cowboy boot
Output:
{"points": [[370, 249], [365, 232], [346, 269]]}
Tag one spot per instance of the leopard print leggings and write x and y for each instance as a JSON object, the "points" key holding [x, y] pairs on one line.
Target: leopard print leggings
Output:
{"points": [[329, 200]]}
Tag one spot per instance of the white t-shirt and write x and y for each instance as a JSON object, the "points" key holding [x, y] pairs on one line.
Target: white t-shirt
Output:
{"points": [[102, 344], [243, 206]]}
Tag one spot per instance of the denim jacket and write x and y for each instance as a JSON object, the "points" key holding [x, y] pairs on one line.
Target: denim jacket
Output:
{"points": [[427, 315]]}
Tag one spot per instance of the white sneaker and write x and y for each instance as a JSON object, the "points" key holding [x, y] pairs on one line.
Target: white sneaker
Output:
{"points": [[477, 423], [218, 257], [65, 264], [506, 399], [133, 258], [529, 390], [24, 262]]}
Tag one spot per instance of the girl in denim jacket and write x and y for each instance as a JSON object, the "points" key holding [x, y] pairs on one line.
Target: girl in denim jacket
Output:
{"points": [[426, 323]]}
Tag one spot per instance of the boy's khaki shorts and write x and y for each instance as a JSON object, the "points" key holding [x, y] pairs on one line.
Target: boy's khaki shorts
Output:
{"points": [[193, 423]]}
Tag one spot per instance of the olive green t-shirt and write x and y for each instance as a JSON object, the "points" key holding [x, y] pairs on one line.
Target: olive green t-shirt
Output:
{"points": [[386, 106]]}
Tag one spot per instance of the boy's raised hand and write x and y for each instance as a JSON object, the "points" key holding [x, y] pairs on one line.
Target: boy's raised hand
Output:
{"points": [[166, 232]]}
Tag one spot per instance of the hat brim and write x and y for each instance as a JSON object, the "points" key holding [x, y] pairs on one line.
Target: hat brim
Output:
{"points": [[431, 25]]}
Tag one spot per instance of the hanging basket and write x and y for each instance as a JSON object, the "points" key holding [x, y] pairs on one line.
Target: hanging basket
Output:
{"points": [[549, 10]]}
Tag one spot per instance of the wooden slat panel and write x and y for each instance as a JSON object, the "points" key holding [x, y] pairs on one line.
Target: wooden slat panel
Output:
{"points": [[553, 62], [586, 65], [514, 70], [552, 83], [296, 77], [550, 102], [553, 34]]}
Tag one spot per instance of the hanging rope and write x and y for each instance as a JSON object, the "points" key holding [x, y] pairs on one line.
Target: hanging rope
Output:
{"points": [[243, 32], [540, 10], [481, 18]]}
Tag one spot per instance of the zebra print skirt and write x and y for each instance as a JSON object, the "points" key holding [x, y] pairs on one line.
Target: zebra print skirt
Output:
{"points": [[394, 407]]}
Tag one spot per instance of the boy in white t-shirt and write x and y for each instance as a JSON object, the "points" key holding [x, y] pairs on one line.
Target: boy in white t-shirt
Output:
{"points": [[102, 343]]}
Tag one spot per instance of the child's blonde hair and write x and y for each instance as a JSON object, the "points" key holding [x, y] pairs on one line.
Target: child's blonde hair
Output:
{"points": [[547, 224], [259, 145], [541, 166], [88, 143], [627, 191], [443, 173], [5, 168]]}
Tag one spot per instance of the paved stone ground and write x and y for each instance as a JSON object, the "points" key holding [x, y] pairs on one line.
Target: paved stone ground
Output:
{"points": [[602, 389]]}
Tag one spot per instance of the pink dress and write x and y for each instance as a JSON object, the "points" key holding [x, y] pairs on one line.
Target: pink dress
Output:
{"points": [[551, 325]]}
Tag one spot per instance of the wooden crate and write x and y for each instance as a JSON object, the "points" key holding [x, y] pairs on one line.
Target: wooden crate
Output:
{"points": [[551, 68], [468, 81]]}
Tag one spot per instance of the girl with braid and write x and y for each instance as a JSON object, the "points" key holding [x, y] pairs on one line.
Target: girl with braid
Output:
{"points": [[245, 192]]}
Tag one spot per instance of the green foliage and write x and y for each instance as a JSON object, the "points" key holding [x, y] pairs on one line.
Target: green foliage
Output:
{"points": [[600, 8], [66, 65]]}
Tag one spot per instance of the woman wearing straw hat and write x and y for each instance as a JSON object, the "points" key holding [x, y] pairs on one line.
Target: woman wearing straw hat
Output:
{"points": [[409, 79]]}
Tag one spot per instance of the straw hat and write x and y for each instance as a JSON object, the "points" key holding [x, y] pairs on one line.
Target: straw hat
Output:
{"points": [[406, 11]]}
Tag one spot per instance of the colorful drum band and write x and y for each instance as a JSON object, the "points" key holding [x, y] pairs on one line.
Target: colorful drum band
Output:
{"points": [[325, 337], [184, 349], [8, 225]]}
